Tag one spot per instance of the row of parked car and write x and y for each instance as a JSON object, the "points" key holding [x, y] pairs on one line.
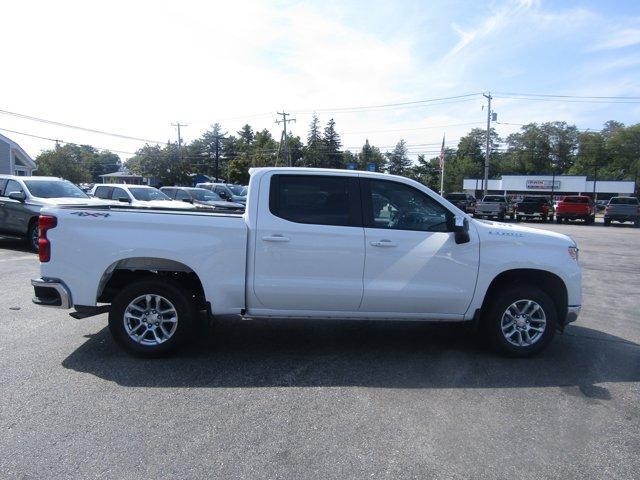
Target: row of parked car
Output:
{"points": [[572, 207]]}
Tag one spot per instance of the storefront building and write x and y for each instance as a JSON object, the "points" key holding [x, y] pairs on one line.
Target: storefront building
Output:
{"points": [[560, 185]]}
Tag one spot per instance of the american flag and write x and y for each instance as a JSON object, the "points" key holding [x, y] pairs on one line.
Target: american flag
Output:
{"points": [[441, 157]]}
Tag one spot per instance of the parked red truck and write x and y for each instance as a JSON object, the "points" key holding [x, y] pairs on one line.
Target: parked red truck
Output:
{"points": [[576, 207]]}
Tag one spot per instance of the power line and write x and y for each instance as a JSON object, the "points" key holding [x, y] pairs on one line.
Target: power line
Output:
{"points": [[566, 96], [76, 127], [570, 100], [57, 140], [398, 104]]}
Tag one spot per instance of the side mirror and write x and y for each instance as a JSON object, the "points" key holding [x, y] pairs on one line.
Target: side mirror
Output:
{"points": [[19, 196], [461, 229]]}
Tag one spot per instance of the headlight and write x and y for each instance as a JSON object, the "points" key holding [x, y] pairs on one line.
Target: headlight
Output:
{"points": [[573, 252]]}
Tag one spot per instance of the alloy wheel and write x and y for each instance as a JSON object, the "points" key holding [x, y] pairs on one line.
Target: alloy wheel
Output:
{"points": [[523, 323], [150, 319]]}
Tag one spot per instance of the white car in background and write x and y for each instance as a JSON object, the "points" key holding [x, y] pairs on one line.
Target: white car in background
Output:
{"points": [[136, 195]]}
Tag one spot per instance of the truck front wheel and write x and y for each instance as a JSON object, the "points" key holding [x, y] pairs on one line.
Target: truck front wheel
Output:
{"points": [[521, 321], [151, 317]]}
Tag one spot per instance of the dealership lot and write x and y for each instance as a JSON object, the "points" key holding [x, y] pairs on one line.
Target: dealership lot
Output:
{"points": [[326, 399]]}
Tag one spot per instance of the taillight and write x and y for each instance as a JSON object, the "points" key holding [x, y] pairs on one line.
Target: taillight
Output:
{"points": [[45, 222], [545, 208]]}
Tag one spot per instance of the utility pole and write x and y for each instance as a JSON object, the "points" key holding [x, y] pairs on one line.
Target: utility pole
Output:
{"points": [[178, 124], [595, 180], [487, 151], [286, 152], [216, 152]]}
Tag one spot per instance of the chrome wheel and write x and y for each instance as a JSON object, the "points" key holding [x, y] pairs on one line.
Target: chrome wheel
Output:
{"points": [[150, 319], [523, 323]]}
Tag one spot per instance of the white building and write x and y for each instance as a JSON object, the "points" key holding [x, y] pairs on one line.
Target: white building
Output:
{"points": [[542, 184], [14, 160]]}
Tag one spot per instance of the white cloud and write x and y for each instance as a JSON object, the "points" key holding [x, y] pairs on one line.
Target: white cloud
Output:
{"points": [[619, 39]]}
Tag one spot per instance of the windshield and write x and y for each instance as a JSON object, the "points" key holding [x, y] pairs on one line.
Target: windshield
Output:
{"points": [[623, 201], [204, 195], [147, 194], [532, 200], [54, 189], [494, 199], [236, 189], [575, 200]]}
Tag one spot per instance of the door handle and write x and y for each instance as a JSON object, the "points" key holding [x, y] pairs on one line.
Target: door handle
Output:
{"points": [[384, 243], [275, 238]]}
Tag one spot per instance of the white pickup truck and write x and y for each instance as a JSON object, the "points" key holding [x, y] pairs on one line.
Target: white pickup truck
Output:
{"points": [[312, 243]]}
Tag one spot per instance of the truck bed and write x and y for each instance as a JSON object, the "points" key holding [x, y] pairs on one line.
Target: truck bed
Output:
{"points": [[126, 238]]}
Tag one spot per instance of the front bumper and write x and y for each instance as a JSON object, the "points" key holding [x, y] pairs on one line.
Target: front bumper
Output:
{"points": [[49, 292], [573, 311]]}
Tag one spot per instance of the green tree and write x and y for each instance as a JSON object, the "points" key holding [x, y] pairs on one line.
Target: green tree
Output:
{"points": [[77, 163], [371, 155], [426, 172], [161, 163], [332, 144], [398, 159], [314, 151]]}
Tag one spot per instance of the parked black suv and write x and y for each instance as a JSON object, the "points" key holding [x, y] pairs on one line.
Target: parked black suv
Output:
{"points": [[464, 201], [534, 207]]}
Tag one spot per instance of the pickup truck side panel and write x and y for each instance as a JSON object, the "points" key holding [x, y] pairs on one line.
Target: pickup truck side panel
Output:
{"points": [[213, 246]]}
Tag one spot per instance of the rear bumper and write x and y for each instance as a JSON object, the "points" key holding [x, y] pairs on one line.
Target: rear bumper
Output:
{"points": [[573, 311], [572, 215], [49, 292], [621, 218]]}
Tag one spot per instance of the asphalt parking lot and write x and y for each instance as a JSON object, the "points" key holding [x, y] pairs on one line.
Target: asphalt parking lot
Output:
{"points": [[324, 400]]}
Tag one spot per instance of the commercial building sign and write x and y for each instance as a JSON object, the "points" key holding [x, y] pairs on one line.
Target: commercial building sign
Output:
{"points": [[533, 184]]}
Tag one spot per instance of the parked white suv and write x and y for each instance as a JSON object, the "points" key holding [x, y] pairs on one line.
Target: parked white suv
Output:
{"points": [[312, 243], [136, 195]]}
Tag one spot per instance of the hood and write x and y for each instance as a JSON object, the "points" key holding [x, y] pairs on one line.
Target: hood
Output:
{"points": [[71, 201], [510, 232], [239, 199]]}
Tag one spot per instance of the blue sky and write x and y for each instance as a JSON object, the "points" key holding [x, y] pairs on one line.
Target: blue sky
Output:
{"points": [[135, 67]]}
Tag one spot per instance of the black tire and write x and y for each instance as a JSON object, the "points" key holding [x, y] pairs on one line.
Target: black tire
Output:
{"points": [[511, 217], [518, 218], [544, 219], [171, 291], [32, 235], [558, 219], [636, 223], [501, 217], [492, 320], [607, 222]]}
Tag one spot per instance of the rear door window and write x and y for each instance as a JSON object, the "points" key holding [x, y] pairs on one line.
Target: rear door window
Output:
{"points": [[182, 195], [103, 192], [316, 199], [119, 193]]}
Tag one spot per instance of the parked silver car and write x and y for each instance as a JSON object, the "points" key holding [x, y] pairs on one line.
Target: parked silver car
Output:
{"points": [[21, 199]]}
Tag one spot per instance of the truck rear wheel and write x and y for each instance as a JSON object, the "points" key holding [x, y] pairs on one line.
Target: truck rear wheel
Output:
{"points": [[521, 321], [151, 317], [33, 235], [558, 219]]}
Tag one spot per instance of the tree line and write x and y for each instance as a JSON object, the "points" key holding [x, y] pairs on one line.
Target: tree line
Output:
{"points": [[612, 153]]}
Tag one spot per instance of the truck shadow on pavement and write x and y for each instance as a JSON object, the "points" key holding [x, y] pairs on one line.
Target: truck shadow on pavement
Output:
{"points": [[241, 354]]}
